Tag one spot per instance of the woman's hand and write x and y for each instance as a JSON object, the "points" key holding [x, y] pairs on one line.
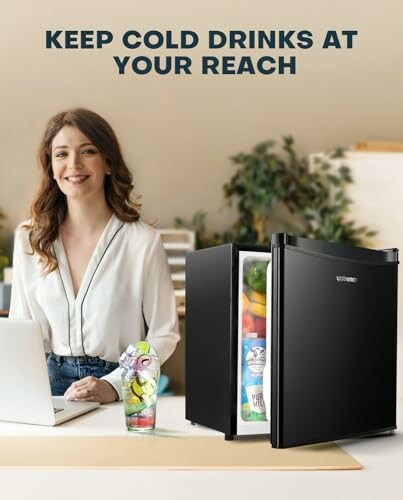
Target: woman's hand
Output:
{"points": [[91, 389]]}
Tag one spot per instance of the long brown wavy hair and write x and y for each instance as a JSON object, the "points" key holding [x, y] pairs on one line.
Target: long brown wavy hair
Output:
{"points": [[49, 206]]}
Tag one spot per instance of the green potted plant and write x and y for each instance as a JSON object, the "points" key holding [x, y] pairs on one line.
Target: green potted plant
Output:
{"points": [[256, 186], [314, 196]]}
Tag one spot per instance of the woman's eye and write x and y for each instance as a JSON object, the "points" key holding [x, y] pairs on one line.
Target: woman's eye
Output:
{"points": [[61, 154], [89, 151]]}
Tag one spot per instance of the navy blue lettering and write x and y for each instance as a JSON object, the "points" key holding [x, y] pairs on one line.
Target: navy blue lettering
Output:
{"points": [[349, 35], [182, 63], [266, 40], [189, 39], [72, 39], [121, 64], [52, 39], [228, 65], [136, 65], [284, 39], [162, 65], [209, 64], [217, 39], [149, 43], [126, 39], [304, 39], [291, 65], [170, 44], [331, 40], [87, 39], [237, 38], [103, 37], [159, 69], [265, 65], [246, 66]]}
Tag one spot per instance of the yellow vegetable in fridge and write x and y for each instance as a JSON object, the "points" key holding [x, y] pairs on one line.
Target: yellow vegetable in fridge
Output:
{"points": [[257, 309], [245, 302], [260, 298]]}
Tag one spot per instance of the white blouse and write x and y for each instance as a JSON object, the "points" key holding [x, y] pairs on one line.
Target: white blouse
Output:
{"points": [[126, 288]]}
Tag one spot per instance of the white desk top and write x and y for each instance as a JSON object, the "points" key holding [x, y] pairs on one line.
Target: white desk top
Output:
{"points": [[109, 420], [382, 458]]}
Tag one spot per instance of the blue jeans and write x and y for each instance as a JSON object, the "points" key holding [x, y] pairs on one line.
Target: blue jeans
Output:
{"points": [[64, 370]]}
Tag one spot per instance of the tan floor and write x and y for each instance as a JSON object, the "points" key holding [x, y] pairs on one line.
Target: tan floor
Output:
{"points": [[152, 452]]}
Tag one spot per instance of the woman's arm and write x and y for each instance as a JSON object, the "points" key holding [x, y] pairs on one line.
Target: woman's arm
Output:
{"points": [[19, 307], [159, 309], [159, 305]]}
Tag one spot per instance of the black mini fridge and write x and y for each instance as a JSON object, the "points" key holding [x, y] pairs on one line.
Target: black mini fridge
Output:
{"points": [[319, 341]]}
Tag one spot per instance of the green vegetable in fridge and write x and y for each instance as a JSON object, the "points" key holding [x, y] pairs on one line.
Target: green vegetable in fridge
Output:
{"points": [[256, 276]]}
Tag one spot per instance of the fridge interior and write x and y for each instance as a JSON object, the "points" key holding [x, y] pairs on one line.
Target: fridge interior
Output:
{"points": [[254, 342]]}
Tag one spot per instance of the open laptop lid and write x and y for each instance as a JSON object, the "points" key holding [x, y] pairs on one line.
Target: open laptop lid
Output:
{"points": [[25, 394], [334, 334]]}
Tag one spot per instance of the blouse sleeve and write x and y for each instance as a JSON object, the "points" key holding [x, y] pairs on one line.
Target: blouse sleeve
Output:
{"points": [[159, 305], [19, 308], [159, 309]]}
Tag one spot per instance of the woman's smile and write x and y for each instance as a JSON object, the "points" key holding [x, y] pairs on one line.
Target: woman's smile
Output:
{"points": [[76, 179]]}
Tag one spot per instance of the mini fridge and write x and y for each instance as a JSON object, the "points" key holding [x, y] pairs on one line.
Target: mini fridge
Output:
{"points": [[296, 341]]}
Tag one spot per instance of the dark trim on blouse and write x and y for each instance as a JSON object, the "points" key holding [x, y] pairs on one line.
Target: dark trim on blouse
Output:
{"points": [[89, 284]]}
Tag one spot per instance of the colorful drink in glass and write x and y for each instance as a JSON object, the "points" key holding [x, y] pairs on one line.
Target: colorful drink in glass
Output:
{"points": [[140, 371]]}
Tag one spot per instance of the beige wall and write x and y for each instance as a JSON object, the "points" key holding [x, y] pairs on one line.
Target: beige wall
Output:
{"points": [[178, 132], [378, 204]]}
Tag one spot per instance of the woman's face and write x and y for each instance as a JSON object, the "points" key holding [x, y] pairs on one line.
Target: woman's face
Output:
{"points": [[78, 166]]}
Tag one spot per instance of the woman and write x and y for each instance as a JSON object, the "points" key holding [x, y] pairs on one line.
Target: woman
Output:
{"points": [[85, 267]]}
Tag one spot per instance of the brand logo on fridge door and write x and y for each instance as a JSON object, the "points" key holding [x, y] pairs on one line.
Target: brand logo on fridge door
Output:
{"points": [[347, 279]]}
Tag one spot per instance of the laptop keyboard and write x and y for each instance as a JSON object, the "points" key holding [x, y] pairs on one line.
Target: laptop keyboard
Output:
{"points": [[56, 410]]}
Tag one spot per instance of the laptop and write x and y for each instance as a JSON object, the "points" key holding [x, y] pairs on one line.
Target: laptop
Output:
{"points": [[25, 394]]}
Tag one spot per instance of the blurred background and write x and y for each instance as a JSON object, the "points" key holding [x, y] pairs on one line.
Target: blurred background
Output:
{"points": [[182, 134]]}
